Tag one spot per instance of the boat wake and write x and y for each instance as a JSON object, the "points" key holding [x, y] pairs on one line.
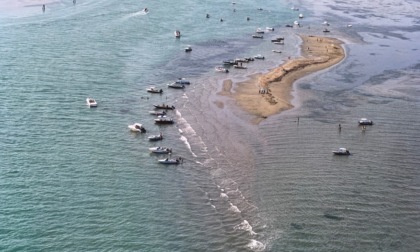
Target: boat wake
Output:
{"points": [[136, 14]]}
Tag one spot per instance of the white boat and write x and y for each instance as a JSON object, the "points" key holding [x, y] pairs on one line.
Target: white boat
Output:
{"points": [[137, 127], [294, 8], [349, 25], [170, 161], [183, 81], [342, 152], [296, 23], [188, 49], [259, 56], [365, 121], [163, 120], [269, 28], [91, 102], [177, 34], [155, 137], [154, 90], [300, 15], [160, 150], [281, 42], [157, 113], [259, 30], [276, 51], [221, 69], [164, 106], [145, 10], [326, 23], [240, 66], [257, 36], [176, 85]]}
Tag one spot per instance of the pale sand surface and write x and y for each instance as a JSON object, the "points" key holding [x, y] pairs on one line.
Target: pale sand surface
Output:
{"points": [[317, 53]]}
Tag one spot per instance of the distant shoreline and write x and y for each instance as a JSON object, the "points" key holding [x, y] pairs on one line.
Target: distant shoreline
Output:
{"points": [[263, 95]]}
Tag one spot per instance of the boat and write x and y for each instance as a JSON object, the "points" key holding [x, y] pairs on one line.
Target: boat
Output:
{"points": [[259, 56], [278, 39], [154, 90], [276, 51], [137, 127], [145, 10], [188, 49], [163, 120], [349, 25], [249, 59], [221, 69], [269, 28], [163, 106], [326, 30], [289, 25], [155, 137], [294, 8], [259, 30], [157, 113], [300, 15], [176, 85], [241, 60], [160, 150], [229, 62], [326, 23], [91, 102], [341, 152], [257, 36], [182, 81], [296, 23], [365, 121], [281, 42], [170, 160], [240, 66], [177, 34]]}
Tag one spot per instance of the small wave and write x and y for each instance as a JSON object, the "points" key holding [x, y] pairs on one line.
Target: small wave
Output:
{"points": [[185, 140], [138, 13], [245, 226], [235, 209], [255, 245]]}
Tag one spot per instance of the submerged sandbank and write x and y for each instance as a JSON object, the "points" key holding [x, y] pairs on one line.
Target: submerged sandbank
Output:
{"points": [[267, 94]]}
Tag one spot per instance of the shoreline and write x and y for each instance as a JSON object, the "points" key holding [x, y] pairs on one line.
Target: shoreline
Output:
{"points": [[264, 95]]}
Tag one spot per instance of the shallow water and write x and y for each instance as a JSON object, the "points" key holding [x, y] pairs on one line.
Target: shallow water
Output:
{"points": [[74, 178]]}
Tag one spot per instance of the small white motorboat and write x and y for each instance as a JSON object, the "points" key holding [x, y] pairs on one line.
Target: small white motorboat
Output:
{"points": [[221, 69], [164, 120], [177, 34], [170, 160], [365, 121], [176, 85], [341, 152], [278, 39], [300, 15], [240, 66], [137, 127], [259, 30], [259, 56], [257, 36], [183, 81], [155, 137], [145, 10], [296, 23], [160, 150], [154, 90], [269, 28], [157, 113], [276, 51], [281, 42], [188, 49], [91, 102], [326, 23]]}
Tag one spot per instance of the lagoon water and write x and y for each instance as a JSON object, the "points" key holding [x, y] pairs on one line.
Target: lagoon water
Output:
{"points": [[75, 179]]}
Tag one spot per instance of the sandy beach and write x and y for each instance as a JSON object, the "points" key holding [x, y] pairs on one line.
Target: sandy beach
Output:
{"points": [[268, 94]]}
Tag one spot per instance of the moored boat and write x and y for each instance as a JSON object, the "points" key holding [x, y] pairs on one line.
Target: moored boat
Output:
{"points": [[137, 127], [177, 34], [164, 120], [160, 150], [259, 56], [155, 137], [365, 121], [276, 51], [164, 106], [257, 36], [176, 85], [171, 160], [157, 113], [259, 30], [154, 90], [91, 102], [188, 49], [221, 69], [341, 152], [240, 66], [183, 81]]}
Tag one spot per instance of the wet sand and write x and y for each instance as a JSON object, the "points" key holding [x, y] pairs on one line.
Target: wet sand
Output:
{"points": [[267, 94]]}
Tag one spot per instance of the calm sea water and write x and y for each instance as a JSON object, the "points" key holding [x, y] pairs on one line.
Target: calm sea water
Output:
{"points": [[75, 179]]}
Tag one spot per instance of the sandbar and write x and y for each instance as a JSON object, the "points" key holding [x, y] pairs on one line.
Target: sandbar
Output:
{"points": [[263, 95]]}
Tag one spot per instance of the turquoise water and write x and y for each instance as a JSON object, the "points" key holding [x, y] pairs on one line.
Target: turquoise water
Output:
{"points": [[74, 178]]}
